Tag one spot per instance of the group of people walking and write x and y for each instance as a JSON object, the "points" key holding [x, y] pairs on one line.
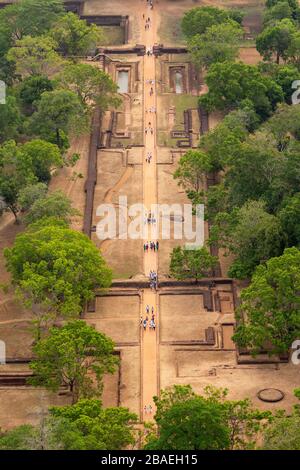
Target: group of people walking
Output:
{"points": [[144, 323], [150, 219], [149, 129], [148, 409], [153, 279], [148, 157], [153, 276], [153, 246], [152, 109]]}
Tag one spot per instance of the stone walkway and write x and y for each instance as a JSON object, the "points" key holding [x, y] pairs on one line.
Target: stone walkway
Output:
{"points": [[149, 349]]}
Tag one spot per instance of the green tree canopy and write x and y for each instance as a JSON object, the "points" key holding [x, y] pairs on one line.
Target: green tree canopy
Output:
{"points": [[293, 4], [191, 173], [289, 216], [252, 235], [198, 20], [230, 83], [279, 11], [99, 428], [59, 113], [32, 88], [75, 37], [29, 17], [283, 433], [203, 422], [276, 40], [16, 173], [219, 43], [18, 438], [44, 157], [30, 194], [56, 269], [191, 264], [10, 119], [55, 204], [293, 52], [74, 355], [283, 75], [35, 56], [271, 305], [92, 85]]}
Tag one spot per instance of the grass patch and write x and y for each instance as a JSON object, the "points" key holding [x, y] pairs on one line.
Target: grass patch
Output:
{"points": [[114, 35], [170, 30]]}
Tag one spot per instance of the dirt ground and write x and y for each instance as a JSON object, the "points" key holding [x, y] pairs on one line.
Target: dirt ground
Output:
{"points": [[199, 368], [118, 317]]}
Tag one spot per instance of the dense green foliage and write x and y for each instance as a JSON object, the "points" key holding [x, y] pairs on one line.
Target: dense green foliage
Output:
{"points": [[213, 34], [82, 426], [97, 427], [191, 264], [271, 305], [74, 355], [231, 83], [186, 421], [56, 269]]}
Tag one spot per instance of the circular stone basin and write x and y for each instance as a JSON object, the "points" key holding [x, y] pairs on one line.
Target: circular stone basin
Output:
{"points": [[270, 395]]}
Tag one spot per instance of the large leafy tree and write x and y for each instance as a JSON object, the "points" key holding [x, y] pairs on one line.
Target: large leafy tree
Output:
{"points": [[10, 119], [266, 165], [99, 428], [293, 5], [270, 310], [29, 17], [56, 270], [75, 37], [252, 235], [44, 157], [230, 83], [16, 172], [294, 49], [190, 424], [82, 426], [35, 56], [283, 433], [55, 204], [219, 43], [22, 165], [276, 40], [30, 194], [289, 216], [198, 20], [92, 85], [284, 76], [191, 173], [277, 12], [32, 88], [59, 113], [191, 264], [74, 355], [203, 422], [18, 438]]}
